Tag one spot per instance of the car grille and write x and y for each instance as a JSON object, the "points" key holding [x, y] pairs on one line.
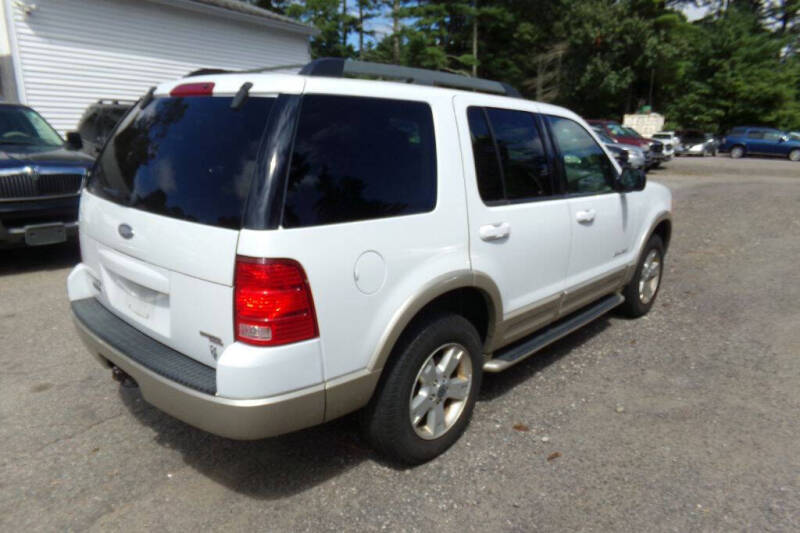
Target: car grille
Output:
{"points": [[25, 185], [657, 147], [669, 147]]}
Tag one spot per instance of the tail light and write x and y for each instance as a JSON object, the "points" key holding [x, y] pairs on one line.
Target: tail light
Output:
{"points": [[272, 302], [193, 89]]}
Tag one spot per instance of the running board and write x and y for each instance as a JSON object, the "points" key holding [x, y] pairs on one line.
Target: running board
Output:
{"points": [[510, 356]]}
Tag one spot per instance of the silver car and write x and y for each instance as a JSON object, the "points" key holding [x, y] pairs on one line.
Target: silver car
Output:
{"points": [[635, 155]]}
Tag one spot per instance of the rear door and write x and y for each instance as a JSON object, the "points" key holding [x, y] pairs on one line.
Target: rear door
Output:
{"points": [[519, 229], [597, 215], [161, 217]]}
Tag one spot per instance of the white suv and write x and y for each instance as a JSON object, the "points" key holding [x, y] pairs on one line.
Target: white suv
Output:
{"points": [[266, 252]]}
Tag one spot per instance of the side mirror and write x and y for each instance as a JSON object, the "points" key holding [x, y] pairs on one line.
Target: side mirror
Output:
{"points": [[784, 138], [74, 141], [631, 180]]}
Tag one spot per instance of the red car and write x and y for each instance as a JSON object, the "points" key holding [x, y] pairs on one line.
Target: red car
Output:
{"points": [[625, 135]]}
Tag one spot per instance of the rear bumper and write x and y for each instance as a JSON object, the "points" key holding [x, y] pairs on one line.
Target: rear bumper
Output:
{"points": [[243, 419]]}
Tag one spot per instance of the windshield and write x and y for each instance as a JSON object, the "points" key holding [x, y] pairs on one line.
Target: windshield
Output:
{"points": [[24, 126], [190, 158], [662, 136]]}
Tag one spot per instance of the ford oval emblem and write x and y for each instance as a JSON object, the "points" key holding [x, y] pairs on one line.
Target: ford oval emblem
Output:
{"points": [[125, 231]]}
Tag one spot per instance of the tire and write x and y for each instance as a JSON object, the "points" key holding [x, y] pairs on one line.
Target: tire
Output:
{"points": [[737, 152], [794, 155], [387, 421], [640, 293]]}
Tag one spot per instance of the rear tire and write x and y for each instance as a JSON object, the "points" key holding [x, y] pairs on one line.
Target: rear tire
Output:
{"points": [[641, 292], [794, 155], [419, 379], [737, 152]]}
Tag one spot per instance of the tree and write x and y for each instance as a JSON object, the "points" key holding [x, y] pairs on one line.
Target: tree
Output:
{"points": [[332, 24]]}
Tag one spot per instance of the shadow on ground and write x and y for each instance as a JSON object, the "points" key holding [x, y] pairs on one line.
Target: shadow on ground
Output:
{"points": [[53, 257], [286, 465]]}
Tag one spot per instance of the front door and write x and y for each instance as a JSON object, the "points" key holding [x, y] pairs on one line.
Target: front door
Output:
{"points": [[598, 255], [519, 228]]}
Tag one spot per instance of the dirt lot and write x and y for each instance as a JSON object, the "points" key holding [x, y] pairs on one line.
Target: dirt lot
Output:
{"points": [[688, 419]]}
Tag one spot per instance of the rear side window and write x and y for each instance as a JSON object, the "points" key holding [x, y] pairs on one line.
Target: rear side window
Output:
{"points": [[586, 166], [360, 158], [484, 152], [188, 158], [510, 159], [755, 134]]}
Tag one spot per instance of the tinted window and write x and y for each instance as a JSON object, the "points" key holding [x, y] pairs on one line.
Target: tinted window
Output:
{"points": [[773, 135], [487, 165], [189, 158], [586, 166], [525, 168], [755, 134], [360, 158]]}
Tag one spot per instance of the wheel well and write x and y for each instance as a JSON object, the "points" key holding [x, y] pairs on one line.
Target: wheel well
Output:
{"points": [[664, 230], [468, 302]]}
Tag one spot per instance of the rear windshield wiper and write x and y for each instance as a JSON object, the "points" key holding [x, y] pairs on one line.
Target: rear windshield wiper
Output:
{"points": [[241, 96]]}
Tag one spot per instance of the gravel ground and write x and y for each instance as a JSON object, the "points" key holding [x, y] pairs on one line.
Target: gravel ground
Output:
{"points": [[684, 420]]}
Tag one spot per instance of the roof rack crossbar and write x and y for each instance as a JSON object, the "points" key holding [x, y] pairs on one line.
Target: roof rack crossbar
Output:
{"points": [[338, 68]]}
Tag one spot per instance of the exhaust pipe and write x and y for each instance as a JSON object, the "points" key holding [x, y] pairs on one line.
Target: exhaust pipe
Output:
{"points": [[122, 377]]}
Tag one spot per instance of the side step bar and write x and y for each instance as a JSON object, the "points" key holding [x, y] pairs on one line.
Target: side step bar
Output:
{"points": [[510, 356]]}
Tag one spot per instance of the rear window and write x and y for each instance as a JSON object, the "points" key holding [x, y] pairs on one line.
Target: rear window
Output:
{"points": [[360, 158], [189, 158]]}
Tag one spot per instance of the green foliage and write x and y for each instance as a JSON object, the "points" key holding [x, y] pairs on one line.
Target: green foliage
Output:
{"points": [[601, 58]]}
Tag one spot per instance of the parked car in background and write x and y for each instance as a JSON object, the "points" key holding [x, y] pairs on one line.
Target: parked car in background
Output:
{"points": [[756, 140], [98, 121], [265, 252], [41, 177], [626, 154], [625, 135], [697, 142], [670, 141]]}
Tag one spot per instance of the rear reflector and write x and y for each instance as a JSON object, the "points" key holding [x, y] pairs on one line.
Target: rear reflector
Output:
{"points": [[272, 302], [193, 89]]}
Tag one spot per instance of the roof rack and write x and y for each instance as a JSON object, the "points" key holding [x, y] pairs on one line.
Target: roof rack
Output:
{"points": [[339, 68], [334, 67]]}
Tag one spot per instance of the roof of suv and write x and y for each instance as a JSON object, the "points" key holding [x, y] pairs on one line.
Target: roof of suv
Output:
{"points": [[229, 83]]}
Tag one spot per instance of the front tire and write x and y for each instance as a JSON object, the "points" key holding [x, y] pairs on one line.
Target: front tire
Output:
{"points": [[641, 292], [794, 155], [425, 401]]}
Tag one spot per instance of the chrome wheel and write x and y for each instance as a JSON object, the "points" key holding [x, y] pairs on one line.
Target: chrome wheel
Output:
{"points": [[737, 152], [650, 277], [794, 155], [440, 391]]}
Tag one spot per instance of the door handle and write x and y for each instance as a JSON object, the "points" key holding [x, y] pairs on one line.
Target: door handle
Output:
{"points": [[586, 216], [495, 232]]}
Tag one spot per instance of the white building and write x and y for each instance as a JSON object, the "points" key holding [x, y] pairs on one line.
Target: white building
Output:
{"points": [[58, 56]]}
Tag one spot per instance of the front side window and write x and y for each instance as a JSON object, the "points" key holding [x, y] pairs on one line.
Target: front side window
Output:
{"points": [[755, 134], [773, 136], [358, 158], [586, 166]]}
